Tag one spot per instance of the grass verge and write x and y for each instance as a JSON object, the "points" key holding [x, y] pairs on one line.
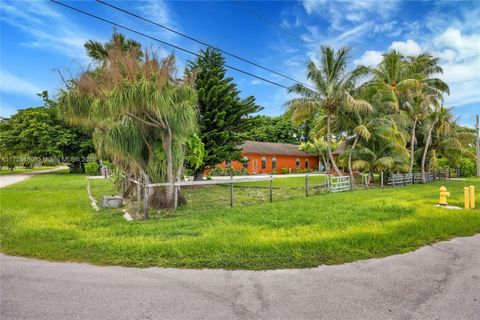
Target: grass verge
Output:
{"points": [[49, 217]]}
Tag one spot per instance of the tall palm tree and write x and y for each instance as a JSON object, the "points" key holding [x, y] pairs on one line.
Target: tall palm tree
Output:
{"points": [[408, 84], [333, 88], [441, 118]]}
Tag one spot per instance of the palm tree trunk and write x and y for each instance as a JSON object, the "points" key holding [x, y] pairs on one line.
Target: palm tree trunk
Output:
{"points": [[167, 146], [425, 150], [350, 171], [329, 142], [412, 144]]}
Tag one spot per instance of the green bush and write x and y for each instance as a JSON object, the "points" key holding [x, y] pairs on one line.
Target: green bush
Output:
{"points": [[91, 168], [467, 167], [220, 171], [443, 164], [285, 171], [273, 172]]}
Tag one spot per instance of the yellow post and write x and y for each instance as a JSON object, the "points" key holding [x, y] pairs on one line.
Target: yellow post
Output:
{"points": [[466, 192], [472, 197]]}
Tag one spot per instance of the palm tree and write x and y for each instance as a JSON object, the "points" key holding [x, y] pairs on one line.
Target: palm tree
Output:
{"points": [[407, 84], [333, 88], [141, 115], [99, 52], [385, 150], [441, 118], [317, 146]]}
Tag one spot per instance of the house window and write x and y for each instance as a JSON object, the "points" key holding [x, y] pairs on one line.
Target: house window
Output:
{"points": [[274, 163], [264, 163], [307, 164], [245, 162], [297, 164]]}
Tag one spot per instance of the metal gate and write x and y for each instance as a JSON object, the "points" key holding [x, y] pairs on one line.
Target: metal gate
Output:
{"points": [[340, 183]]}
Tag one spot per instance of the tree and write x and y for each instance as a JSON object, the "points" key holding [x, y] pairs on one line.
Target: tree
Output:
{"points": [[222, 114], [279, 129], [407, 84], [385, 150], [99, 52], [142, 116], [333, 92], [319, 148], [37, 132]]}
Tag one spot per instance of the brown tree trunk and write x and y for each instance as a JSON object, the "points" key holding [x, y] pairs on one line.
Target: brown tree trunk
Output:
{"points": [[167, 147], [412, 144], [329, 143], [198, 176], [425, 150], [350, 171]]}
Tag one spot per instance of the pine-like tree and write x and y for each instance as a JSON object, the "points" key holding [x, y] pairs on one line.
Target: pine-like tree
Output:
{"points": [[222, 113]]}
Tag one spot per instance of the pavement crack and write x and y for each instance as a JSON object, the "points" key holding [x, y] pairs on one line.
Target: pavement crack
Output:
{"points": [[239, 309]]}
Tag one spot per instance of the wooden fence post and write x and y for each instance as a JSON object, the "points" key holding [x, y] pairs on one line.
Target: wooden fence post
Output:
{"points": [[175, 196], [306, 184], [231, 191], [271, 187], [327, 183], [145, 204], [139, 197]]}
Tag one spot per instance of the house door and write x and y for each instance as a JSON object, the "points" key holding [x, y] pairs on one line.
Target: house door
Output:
{"points": [[255, 165]]}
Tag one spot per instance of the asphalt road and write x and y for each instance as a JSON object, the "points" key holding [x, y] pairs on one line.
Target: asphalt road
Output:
{"points": [[435, 282], [9, 179]]}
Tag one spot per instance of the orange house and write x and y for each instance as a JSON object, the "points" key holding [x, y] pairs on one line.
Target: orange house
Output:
{"points": [[265, 157]]}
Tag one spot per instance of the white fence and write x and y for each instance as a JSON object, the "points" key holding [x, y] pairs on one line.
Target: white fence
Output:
{"points": [[403, 179], [340, 183]]}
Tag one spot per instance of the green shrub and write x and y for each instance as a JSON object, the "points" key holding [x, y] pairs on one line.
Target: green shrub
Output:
{"points": [[91, 168], [285, 171], [225, 172], [273, 172], [467, 167]]}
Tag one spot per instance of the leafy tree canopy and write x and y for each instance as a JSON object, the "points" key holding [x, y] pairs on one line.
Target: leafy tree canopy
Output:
{"points": [[280, 129], [37, 132], [223, 114]]}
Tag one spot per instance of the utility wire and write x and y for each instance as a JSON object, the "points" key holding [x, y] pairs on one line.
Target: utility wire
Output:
{"points": [[199, 41], [163, 42], [253, 13]]}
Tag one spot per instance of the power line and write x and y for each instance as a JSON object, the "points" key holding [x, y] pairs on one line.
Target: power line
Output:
{"points": [[163, 42], [253, 13], [198, 41]]}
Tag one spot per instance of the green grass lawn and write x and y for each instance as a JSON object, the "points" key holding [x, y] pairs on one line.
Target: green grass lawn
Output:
{"points": [[50, 217], [6, 171]]}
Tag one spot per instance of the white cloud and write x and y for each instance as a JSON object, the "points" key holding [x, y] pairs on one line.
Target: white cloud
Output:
{"points": [[343, 14], [369, 58], [408, 48], [464, 46], [48, 28], [460, 58], [13, 84]]}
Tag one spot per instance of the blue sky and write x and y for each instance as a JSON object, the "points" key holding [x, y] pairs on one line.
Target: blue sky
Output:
{"points": [[39, 37]]}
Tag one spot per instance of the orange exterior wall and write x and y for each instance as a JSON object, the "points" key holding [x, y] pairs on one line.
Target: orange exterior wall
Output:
{"points": [[283, 161]]}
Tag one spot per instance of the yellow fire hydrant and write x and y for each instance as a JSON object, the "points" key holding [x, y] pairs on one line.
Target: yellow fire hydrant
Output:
{"points": [[443, 196]]}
